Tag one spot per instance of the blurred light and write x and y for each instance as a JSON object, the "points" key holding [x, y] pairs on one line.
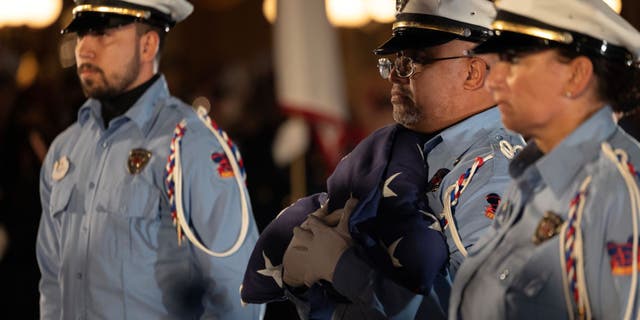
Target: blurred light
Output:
{"points": [[27, 70], [382, 11], [616, 5], [347, 13], [33, 13], [4, 241], [68, 50], [269, 10]]}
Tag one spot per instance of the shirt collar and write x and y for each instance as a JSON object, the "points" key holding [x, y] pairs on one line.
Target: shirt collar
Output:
{"points": [[141, 111], [559, 167], [460, 137]]}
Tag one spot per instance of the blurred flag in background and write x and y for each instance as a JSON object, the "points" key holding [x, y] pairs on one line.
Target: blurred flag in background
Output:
{"points": [[309, 83]]}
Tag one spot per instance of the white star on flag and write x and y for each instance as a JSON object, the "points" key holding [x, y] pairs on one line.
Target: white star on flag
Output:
{"points": [[420, 152], [271, 271], [392, 251], [386, 191]]}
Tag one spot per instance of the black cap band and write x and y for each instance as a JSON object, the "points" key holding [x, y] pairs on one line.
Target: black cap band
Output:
{"points": [[101, 14], [516, 32], [415, 31]]}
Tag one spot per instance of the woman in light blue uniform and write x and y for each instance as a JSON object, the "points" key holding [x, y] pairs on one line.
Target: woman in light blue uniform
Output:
{"points": [[564, 243]]}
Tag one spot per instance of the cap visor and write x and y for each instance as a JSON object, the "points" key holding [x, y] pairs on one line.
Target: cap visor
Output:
{"points": [[413, 39], [507, 40], [96, 21]]}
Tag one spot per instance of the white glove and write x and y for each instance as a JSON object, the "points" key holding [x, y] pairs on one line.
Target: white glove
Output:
{"points": [[319, 245]]}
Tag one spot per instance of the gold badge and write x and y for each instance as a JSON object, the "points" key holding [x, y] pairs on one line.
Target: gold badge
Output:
{"points": [[60, 168], [548, 227], [138, 159]]}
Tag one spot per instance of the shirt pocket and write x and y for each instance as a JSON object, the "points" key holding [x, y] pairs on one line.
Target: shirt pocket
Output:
{"points": [[132, 208], [60, 201], [536, 290], [131, 197]]}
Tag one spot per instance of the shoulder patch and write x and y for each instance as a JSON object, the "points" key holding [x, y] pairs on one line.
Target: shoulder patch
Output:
{"points": [[621, 257], [490, 210], [223, 166]]}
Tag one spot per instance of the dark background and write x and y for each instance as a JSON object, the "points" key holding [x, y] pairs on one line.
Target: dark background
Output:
{"points": [[221, 52]]}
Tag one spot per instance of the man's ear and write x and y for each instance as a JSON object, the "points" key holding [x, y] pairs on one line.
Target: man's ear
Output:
{"points": [[477, 71], [149, 46]]}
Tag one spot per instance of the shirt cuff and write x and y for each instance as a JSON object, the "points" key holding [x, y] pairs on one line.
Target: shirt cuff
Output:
{"points": [[352, 274]]}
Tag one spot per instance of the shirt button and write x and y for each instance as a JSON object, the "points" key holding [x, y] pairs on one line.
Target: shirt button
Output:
{"points": [[79, 275], [499, 137], [504, 274], [91, 185], [104, 144]]}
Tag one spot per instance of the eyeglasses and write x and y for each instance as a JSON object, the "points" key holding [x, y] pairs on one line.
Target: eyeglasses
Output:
{"points": [[405, 66]]}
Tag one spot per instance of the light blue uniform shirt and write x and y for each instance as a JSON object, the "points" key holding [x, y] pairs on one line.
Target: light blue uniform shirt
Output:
{"points": [[508, 276], [107, 247], [454, 149]]}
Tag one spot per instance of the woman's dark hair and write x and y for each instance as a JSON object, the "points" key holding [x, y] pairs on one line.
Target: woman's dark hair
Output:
{"points": [[618, 84]]}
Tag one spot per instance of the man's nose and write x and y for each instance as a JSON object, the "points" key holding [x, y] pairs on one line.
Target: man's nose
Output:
{"points": [[85, 47], [395, 78]]}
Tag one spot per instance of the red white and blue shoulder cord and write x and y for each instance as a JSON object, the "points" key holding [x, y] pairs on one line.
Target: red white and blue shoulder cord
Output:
{"points": [[571, 246], [453, 192], [174, 184]]}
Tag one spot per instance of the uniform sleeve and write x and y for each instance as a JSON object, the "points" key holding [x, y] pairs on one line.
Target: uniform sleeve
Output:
{"points": [[212, 204], [373, 296], [609, 254], [477, 204], [48, 250]]}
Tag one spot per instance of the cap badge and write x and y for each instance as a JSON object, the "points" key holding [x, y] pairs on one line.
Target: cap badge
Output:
{"points": [[138, 159], [547, 228], [60, 168], [400, 4]]}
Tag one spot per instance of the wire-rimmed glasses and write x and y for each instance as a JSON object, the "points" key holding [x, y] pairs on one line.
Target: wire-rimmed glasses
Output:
{"points": [[405, 66]]}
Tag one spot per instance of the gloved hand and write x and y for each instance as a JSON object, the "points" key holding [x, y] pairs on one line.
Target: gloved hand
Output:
{"points": [[319, 244], [294, 261]]}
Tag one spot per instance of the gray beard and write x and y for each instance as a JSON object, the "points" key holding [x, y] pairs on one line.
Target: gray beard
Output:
{"points": [[407, 116]]}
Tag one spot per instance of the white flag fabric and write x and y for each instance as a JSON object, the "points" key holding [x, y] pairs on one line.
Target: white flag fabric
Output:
{"points": [[309, 76]]}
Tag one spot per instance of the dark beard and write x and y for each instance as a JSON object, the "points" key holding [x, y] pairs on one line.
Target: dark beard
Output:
{"points": [[109, 90]]}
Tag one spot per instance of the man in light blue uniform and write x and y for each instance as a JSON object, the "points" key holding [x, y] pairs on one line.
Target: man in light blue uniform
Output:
{"points": [[110, 242], [564, 239], [437, 91]]}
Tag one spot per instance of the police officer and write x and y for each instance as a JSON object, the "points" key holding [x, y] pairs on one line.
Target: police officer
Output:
{"points": [[437, 91], [116, 237], [564, 243]]}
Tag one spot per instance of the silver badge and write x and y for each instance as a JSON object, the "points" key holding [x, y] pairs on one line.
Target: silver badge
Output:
{"points": [[60, 168]]}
